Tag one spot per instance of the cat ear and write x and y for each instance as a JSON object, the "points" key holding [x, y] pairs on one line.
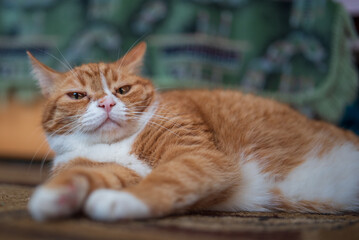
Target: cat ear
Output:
{"points": [[46, 76], [133, 60]]}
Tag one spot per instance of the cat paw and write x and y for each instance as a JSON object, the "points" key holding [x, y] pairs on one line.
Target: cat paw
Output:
{"points": [[49, 203], [112, 205]]}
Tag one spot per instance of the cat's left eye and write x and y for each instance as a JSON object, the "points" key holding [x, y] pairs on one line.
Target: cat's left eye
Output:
{"points": [[123, 90], [76, 95]]}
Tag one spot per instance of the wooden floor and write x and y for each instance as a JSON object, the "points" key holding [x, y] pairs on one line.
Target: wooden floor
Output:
{"points": [[18, 179]]}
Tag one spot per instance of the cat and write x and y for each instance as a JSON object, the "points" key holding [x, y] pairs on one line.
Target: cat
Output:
{"points": [[126, 151]]}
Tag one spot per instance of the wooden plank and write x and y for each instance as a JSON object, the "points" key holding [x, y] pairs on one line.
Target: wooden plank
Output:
{"points": [[25, 173], [21, 135]]}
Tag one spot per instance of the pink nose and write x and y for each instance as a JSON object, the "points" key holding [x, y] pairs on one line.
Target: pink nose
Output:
{"points": [[107, 103]]}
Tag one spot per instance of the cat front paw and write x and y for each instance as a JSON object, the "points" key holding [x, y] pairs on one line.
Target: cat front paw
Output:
{"points": [[112, 205], [56, 202]]}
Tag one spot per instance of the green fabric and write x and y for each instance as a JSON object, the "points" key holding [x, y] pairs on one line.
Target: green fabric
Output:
{"points": [[338, 87], [293, 51]]}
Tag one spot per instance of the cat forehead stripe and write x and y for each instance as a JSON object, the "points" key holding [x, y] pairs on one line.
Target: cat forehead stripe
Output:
{"points": [[104, 84]]}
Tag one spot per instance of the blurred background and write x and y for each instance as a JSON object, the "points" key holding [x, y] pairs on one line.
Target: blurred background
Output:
{"points": [[301, 52]]}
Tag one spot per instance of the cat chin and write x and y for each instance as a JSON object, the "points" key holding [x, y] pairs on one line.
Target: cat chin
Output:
{"points": [[110, 132], [108, 126]]}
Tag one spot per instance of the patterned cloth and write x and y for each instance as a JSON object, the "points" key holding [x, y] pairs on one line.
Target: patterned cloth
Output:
{"points": [[294, 51]]}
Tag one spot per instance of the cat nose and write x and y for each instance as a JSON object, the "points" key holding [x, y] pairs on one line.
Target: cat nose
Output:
{"points": [[107, 103]]}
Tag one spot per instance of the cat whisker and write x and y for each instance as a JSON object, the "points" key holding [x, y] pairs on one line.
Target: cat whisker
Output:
{"points": [[137, 103], [140, 108], [124, 57], [54, 57], [160, 117], [86, 121], [49, 150], [44, 141], [154, 123], [159, 125], [68, 64]]}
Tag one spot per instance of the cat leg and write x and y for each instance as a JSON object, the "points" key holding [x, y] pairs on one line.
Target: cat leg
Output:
{"points": [[175, 185], [66, 190]]}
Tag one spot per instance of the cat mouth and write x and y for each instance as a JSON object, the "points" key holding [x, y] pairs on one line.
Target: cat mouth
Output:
{"points": [[108, 124]]}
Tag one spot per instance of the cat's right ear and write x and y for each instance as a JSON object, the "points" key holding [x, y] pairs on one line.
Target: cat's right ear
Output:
{"points": [[45, 75]]}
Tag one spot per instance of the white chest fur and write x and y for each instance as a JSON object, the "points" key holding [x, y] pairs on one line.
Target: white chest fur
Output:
{"points": [[69, 147]]}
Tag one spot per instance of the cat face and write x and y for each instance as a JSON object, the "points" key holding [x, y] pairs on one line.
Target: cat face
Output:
{"points": [[105, 100]]}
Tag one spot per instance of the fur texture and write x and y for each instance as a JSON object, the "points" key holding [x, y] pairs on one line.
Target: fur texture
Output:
{"points": [[124, 150]]}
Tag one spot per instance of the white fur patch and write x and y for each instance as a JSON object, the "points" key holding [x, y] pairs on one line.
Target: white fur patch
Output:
{"points": [[112, 205], [71, 146], [46, 203], [334, 178], [104, 85], [253, 192]]}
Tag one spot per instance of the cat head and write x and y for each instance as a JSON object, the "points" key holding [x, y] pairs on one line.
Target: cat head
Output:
{"points": [[104, 101]]}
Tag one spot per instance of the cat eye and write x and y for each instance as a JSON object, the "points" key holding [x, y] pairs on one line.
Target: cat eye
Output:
{"points": [[123, 90], [76, 95]]}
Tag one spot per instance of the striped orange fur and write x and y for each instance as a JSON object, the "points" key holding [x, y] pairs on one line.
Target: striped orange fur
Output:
{"points": [[156, 153]]}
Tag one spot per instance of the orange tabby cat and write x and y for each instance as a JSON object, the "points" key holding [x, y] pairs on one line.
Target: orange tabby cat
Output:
{"points": [[125, 151]]}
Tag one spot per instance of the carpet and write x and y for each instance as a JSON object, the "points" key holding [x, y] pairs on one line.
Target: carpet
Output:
{"points": [[15, 222]]}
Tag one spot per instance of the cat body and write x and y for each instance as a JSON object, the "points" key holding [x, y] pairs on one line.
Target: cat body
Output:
{"points": [[124, 150]]}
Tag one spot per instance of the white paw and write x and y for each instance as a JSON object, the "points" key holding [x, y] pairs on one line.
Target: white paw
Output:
{"points": [[48, 203], [112, 205]]}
